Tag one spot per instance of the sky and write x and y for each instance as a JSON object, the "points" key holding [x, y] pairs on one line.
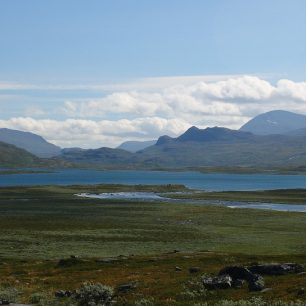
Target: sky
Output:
{"points": [[96, 73]]}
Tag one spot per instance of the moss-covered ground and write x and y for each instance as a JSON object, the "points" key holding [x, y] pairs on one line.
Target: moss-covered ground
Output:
{"points": [[143, 241]]}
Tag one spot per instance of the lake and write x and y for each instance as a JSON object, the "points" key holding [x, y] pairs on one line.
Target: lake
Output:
{"points": [[151, 196], [196, 180]]}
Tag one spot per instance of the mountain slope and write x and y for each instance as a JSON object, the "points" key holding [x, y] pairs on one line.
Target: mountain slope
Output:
{"points": [[134, 146], [103, 157], [11, 156], [220, 147], [275, 122], [211, 147], [30, 142]]}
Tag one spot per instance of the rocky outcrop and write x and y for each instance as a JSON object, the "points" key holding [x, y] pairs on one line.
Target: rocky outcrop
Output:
{"points": [[217, 282], [276, 268], [235, 276], [257, 283], [237, 272]]}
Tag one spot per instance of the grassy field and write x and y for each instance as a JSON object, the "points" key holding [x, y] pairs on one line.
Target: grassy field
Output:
{"points": [[41, 225], [286, 196]]}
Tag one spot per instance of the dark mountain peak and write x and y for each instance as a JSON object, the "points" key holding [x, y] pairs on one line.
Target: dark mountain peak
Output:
{"points": [[212, 134], [275, 122], [164, 139]]}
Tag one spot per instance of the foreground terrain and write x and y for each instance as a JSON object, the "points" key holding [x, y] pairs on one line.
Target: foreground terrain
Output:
{"points": [[149, 244]]}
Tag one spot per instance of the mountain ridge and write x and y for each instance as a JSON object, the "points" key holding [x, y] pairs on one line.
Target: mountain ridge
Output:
{"points": [[30, 142], [275, 122]]}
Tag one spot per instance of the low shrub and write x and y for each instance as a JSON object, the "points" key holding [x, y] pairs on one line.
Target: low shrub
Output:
{"points": [[91, 294]]}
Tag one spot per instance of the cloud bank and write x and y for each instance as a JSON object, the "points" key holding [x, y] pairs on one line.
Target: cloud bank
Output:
{"points": [[146, 114]]}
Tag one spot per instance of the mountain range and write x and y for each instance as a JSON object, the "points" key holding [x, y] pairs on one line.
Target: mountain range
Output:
{"points": [[30, 142], [134, 146], [275, 122], [275, 139]]}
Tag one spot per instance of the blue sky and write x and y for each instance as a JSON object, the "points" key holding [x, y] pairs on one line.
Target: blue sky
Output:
{"points": [[79, 53]]}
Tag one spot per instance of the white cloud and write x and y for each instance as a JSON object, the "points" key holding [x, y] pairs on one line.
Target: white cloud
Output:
{"points": [[163, 106], [89, 133]]}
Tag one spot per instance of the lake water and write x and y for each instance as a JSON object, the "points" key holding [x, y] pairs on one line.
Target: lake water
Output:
{"points": [[196, 180], [151, 196]]}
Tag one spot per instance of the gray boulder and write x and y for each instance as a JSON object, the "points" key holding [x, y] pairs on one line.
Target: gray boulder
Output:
{"points": [[257, 283], [217, 282], [276, 268], [237, 272]]}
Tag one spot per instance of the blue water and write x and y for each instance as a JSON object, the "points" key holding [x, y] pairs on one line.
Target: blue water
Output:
{"points": [[150, 196], [196, 180]]}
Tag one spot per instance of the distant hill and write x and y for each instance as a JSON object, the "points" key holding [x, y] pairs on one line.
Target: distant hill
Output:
{"points": [[134, 146], [30, 142], [11, 156], [275, 122], [221, 147], [102, 157], [211, 147]]}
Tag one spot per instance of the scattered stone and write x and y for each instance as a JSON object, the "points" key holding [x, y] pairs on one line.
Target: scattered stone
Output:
{"points": [[237, 272], [257, 283], [178, 269], [266, 290], [126, 287], [63, 293], [194, 269], [217, 282], [276, 268]]}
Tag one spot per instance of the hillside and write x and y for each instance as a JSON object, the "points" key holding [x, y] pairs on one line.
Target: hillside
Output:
{"points": [[275, 122], [11, 156], [211, 147], [30, 142], [134, 146], [219, 147], [103, 157]]}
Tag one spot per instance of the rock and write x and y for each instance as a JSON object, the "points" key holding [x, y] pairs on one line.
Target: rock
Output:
{"points": [[276, 268], [68, 262], [238, 283], [266, 290], [178, 269], [126, 287], [257, 283], [194, 269], [237, 272], [63, 293], [59, 293], [217, 282]]}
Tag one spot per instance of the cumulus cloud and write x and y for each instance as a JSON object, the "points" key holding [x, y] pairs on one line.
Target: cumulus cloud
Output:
{"points": [[142, 113], [89, 133]]}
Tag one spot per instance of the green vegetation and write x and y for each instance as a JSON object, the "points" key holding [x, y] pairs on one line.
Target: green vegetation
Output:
{"points": [[286, 196], [16, 158], [117, 242]]}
